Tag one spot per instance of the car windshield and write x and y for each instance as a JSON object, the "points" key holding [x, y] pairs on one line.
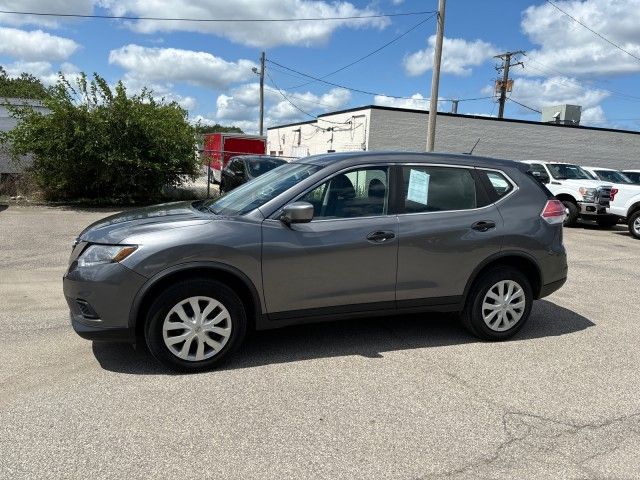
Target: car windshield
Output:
{"points": [[259, 191], [259, 166], [613, 176], [565, 171]]}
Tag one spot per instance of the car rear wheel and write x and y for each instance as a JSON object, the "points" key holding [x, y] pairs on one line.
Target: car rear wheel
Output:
{"points": [[572, 215], [634, 225], [195, 324], [499, 304]]}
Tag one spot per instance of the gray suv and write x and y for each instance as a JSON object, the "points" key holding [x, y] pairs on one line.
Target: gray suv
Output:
{"points": [[321, 238]]}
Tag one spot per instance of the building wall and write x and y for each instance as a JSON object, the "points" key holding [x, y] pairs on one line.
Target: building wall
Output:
{"points": [[398, 130], [382, 129], [350, 133]]}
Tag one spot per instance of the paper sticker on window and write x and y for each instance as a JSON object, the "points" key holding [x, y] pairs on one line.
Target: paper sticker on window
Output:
{"points": [[418, 187]]}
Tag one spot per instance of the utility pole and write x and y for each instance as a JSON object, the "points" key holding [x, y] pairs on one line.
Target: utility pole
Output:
{"points": [[261, 93], [506, 64], [435, 78], [454, 106]]}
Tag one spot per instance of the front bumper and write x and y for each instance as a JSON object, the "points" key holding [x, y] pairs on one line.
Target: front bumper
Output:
{"points": [[592, 208], [100, 300], [100, 333]]}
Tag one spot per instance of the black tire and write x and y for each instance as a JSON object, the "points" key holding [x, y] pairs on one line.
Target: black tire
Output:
{"points": [[221, 187], [472, 314], [170, 297], [572, 216], [634, 230], [607, 222]]}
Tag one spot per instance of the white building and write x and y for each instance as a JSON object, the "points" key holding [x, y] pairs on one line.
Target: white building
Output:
{"points": [[386, 128]]}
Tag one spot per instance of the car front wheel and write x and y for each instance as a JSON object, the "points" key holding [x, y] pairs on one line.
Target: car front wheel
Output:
{"points": [[195, 324], [572, 214], [499, 304]]}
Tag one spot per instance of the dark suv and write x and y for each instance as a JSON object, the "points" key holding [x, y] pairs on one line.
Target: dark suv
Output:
{"points": [[322, 238]]}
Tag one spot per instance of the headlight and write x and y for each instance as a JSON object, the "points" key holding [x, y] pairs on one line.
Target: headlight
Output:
{"points": [[588, 194], [100, 254]]}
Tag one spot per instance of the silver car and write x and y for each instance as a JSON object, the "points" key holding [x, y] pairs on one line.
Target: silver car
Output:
{"points": [[322, 238]]}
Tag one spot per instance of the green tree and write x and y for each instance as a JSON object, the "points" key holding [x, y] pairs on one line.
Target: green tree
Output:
{"points": [[96, 142], [25, 86], [217, 128]]}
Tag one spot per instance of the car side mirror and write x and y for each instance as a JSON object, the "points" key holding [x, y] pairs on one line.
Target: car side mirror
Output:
{"points": [[297, 212]]}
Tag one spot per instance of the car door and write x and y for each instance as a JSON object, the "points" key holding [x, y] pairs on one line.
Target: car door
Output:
{"points": [[344, 260], [447, 228]]}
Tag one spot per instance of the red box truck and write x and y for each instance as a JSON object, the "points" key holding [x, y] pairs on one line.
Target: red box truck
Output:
{"points": [[220, 147]]}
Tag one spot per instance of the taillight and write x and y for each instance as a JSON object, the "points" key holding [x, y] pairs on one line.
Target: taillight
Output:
{"points": [[554, 212], [613, 193]]}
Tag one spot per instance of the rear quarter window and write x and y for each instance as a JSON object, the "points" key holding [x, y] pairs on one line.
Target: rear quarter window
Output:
{"points": [[496, 184]]}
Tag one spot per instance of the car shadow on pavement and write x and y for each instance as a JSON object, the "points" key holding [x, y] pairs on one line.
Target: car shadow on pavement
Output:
{"points": [[368, 338]]}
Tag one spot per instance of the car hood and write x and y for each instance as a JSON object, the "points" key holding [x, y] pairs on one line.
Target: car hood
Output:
{"points": [[115, 228], [585, 183]]}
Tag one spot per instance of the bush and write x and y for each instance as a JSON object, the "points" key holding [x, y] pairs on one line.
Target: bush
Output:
{"points": [[96, 142]]}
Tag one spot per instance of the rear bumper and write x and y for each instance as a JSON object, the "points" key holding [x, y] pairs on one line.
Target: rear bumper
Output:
{"points": [[549, 288]]}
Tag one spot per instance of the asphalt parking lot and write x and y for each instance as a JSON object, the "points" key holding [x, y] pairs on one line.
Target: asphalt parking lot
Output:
{"points": [[406, 398]]}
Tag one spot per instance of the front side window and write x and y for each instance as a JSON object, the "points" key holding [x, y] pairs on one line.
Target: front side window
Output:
{"points": [[612, 176], [362, 192], [256, 193], [437, 189], [565, 171]]}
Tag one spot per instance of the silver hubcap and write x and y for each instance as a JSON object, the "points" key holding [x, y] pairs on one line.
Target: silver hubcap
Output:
{"points": [[503, 305], [636, 226], [196, 328]]}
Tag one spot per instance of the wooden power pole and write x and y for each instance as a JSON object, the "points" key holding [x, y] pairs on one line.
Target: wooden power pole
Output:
{"points": [[504, 84], [435, 79]]}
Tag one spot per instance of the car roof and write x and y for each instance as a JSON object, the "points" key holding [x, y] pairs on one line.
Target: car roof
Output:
{"points": [[631, 170], [355, 158], [548, 162]]}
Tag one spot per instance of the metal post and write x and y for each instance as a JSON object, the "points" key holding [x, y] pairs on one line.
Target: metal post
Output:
{"points": [[262, 94], [454, 106], [435, 79]]}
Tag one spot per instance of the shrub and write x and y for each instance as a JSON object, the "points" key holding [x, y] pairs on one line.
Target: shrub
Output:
{"points": [[96, 142]]}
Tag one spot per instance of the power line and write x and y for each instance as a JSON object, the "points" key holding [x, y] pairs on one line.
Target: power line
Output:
{"points": [[318, 79], [127, 17], [296, 106], [523, 105], [373, 52], [593, 31]]}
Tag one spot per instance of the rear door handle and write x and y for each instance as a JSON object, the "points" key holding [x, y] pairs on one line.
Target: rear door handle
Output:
{"points": [[380, 237], [483, 225]]}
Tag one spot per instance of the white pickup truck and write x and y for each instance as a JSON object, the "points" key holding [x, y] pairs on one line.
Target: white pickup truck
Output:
{"points": [[625, 196], [583, 196]]}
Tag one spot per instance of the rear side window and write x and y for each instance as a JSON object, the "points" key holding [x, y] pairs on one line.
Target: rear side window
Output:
{"points": [[437, 189]]}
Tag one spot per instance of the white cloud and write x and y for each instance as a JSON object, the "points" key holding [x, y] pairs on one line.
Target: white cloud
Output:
{"points": [[43, 70], [255, 34], [557, 91], [570, 48], [35, 45], [82, 7], [240, 106], [458, 56], [417, 102], [177, 65]]}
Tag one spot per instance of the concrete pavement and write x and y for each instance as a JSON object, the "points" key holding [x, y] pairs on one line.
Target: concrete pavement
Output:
{"points": [[400, 397]]}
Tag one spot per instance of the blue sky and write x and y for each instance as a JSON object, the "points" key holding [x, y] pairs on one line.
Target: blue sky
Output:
{"points": [[207, 67]]}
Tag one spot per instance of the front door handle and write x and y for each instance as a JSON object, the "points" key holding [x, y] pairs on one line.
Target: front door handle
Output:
{"points": [[483, 225], [380, 237]]}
